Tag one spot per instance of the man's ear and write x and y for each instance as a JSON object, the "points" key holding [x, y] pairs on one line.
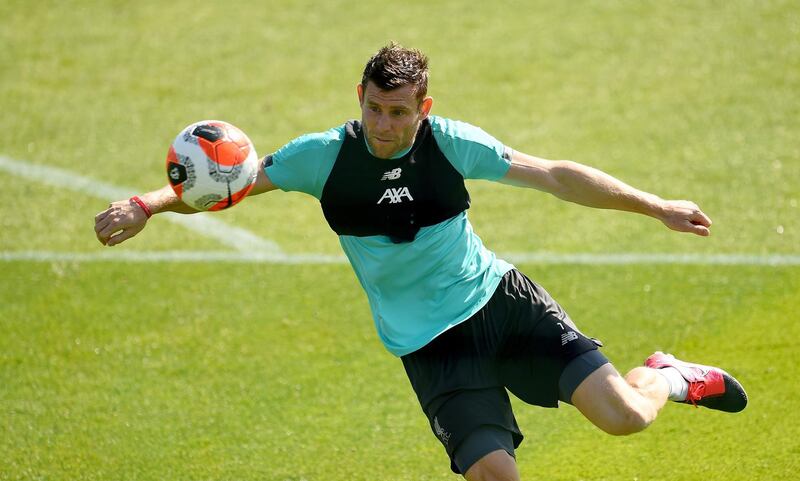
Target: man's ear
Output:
{"points": [[360, 89], [425, 107]]}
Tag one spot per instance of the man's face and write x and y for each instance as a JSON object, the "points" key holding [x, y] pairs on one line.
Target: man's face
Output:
{"points": [[391, 117]]}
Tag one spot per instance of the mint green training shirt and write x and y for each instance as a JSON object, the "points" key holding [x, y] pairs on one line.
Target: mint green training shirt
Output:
{"points": [[419, 289]]}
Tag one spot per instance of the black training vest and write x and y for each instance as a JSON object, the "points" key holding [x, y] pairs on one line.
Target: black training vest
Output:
{"points": [[365, 195]]}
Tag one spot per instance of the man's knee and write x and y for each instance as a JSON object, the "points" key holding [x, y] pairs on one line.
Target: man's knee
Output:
{"points": [[495, 466], [640, 377]]}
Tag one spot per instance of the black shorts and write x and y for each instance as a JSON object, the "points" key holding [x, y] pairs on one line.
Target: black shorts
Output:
{"points": [[522, 341]]}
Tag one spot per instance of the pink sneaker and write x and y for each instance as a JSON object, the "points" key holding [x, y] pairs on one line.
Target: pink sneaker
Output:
{"points": [[708, 386]]}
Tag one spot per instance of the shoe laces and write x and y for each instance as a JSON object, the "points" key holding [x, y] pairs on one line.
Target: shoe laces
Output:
{"points": [[696, 392]]}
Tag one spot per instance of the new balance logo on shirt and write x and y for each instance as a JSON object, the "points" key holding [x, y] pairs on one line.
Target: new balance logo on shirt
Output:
{"points": [[395, 195], [392, 174]]}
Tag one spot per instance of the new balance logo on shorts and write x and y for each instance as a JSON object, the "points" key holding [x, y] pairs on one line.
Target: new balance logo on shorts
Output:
{"points": [[392, 174], [568, 336], [395, 195]]}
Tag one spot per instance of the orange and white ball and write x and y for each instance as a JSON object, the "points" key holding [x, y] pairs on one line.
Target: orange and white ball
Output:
{"points": [[212, 165]]}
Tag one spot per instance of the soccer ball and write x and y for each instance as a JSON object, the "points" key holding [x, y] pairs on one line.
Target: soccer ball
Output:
{"points": [[211, 165]]}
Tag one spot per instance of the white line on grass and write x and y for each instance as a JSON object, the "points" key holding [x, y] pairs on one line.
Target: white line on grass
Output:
{"points": [[653, 258], [253, 248], [236, 237], [114, 255], [309, 258]]}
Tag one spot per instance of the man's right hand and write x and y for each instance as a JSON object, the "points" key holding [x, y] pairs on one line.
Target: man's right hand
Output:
{"points": [[122, 220], [125, 218]]}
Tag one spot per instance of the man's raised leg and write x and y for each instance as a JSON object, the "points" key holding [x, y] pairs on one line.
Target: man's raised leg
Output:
{"points": [[620, 405], [627, 405]]}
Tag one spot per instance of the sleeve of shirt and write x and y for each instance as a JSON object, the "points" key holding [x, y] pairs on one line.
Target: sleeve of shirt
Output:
{"points": [[474, 153], [303, 165]]}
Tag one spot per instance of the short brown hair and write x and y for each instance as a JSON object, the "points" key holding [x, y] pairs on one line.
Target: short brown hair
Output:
{"points": [[394, 66]]}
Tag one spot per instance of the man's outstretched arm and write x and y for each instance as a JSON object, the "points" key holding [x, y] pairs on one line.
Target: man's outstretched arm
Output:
{"points": [[587, 186], [124, 219]]}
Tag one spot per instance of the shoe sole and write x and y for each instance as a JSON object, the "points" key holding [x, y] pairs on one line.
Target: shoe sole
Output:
{"points": [[733, 400]]}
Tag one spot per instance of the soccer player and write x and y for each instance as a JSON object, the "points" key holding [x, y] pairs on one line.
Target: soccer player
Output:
{"points": [[468, 326]]}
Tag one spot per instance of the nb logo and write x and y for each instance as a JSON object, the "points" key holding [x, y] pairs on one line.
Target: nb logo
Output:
{"points": [[392, 174], [568, 336], [395, 195]]}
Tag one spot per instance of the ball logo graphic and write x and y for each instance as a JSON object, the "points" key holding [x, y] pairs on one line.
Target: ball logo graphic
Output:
{"points": [[211, 165], [177, 173]]}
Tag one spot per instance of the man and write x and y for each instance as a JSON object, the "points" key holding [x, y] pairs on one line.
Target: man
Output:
{"points": [[467, 325]]}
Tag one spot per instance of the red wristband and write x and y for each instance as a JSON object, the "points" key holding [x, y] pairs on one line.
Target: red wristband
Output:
{"points": [[144, 207]]}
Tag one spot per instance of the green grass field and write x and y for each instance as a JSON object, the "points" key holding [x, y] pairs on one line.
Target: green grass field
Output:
{"points": [[112, 369]]}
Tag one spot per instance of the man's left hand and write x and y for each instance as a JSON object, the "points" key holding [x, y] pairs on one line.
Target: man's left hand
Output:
{"points": [[685, 216]]}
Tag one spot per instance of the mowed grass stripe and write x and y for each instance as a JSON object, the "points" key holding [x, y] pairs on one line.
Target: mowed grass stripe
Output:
{"points": [[315, 258], [256, 249], [232, 236], [254, 383]]}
